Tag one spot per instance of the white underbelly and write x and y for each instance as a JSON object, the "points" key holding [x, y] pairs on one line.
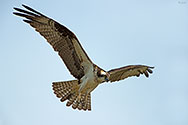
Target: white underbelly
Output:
{"points": [[88, 84]]}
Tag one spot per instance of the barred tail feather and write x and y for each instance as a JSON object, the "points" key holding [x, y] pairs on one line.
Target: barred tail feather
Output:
{"points": [[64, 89], [68, 90]]}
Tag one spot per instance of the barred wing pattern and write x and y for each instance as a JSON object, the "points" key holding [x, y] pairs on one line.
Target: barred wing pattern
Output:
{"points": [[128, 71], [61, 39]]}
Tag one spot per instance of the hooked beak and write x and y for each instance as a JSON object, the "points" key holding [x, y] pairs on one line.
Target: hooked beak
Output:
{"points": [[107, 77]]}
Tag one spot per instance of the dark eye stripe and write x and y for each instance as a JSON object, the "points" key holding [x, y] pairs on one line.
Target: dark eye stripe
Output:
{"points": [[99, 74]]}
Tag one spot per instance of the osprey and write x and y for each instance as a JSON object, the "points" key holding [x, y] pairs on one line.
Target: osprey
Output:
{"points": [[88, 75]]}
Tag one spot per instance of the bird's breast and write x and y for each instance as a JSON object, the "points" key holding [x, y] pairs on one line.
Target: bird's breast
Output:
{"points": [[88, 83]]}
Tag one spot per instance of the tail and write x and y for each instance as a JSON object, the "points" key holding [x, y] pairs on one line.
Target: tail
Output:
{"points": [[68, 90]]}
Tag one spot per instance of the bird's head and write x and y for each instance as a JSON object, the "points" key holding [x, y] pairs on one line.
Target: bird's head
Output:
{"points": [[102, 75]]}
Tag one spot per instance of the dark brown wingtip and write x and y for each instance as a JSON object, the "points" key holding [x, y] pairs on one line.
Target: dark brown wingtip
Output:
{"points": [[20, 14], [29, 8], [23, 15], [15, 8], [24, 5], [150, 67], [149, 70], [15, 13], [18, 9], [27, 21], [25, 12], [146, 74]]}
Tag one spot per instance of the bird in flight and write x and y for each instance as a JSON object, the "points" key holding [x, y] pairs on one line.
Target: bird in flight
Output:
{"points": [[87, 74]]}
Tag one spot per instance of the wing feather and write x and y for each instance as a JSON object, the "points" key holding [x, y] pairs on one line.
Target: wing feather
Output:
{"points": [[128, 71], [60, 38]]}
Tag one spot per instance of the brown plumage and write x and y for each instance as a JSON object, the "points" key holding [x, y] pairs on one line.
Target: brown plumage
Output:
{"points": [[88, 76], [128, 71], [58, 36], [68, 90]]}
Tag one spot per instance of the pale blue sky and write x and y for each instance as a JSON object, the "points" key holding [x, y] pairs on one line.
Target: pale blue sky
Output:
{"points": [[114, 33]]}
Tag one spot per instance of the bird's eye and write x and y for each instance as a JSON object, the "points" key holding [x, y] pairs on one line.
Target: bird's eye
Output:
{"points": [[101, 74]]}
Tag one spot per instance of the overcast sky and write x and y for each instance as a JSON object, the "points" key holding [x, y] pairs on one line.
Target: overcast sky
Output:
{"points": [[113, 33]]}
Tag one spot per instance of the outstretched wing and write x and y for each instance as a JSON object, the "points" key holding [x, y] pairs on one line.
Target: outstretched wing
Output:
{"points": [[128, 71], [62, 40]]}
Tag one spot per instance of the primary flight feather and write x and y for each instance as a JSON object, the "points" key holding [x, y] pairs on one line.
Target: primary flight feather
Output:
{"points": [[88, 75]]}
